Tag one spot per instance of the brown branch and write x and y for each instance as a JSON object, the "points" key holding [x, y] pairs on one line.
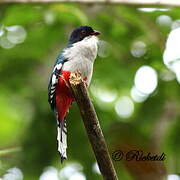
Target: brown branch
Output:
{"points": [[93, 128], [128, 2]]}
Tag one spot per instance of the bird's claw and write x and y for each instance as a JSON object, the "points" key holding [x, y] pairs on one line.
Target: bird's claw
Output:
{"points": [[75, 78]]}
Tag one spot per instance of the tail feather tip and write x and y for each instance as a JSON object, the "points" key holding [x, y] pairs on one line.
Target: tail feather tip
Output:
{"points": [[62, 158]]}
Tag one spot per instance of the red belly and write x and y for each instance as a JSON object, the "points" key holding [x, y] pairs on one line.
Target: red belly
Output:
{"points": [[64, 97]]}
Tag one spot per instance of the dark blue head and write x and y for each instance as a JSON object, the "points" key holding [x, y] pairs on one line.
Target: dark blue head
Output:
{"points": [[81, 32]]}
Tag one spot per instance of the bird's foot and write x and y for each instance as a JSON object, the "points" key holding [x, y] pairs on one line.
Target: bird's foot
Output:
{"points": [[75, 78]]}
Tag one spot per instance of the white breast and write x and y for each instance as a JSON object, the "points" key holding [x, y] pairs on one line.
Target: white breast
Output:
{"points": [[81, 57]]}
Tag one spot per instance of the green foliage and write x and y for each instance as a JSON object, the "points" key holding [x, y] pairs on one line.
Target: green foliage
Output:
{"points": [[25, 116]]}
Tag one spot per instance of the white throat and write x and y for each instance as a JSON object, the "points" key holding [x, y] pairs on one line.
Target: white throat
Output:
{"points": [[81, 56], [86, 48]]}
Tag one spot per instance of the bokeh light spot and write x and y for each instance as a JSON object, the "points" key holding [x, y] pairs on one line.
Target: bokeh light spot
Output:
{"points": [[106, 96], [49, 17], [138, 49], [70, 170], [13, 174], [146, 79], [138, 96], [103, 94], [164, 20], [49, 174], [124, 107], [153, 9], [167, 75], [16, 34], [175, 24], [78, 176], [5, 43], [173, 177], [171, 56]]}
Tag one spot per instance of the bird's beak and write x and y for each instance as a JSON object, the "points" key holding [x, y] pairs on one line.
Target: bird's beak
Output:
{"points": [[95, 33]]}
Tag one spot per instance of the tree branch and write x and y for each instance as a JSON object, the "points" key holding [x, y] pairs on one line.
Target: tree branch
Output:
{"points": [[93, 128], [129, 2]]}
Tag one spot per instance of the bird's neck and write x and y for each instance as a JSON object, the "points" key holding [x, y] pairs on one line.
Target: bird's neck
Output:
{"points": [[86, 49]]}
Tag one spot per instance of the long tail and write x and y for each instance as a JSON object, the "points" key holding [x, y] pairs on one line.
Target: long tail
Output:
{"points": [[63, 103], [62, 139]]}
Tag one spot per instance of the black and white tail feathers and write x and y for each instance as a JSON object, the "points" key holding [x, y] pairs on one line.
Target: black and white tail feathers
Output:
{"points": [[62, 139]]}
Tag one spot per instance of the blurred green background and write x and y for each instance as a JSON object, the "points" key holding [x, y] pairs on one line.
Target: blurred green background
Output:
{"points": [[134, 89]]}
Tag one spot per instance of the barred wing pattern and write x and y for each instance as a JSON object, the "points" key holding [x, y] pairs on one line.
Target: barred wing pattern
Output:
{"points": [[61, 124], [53, 81]]}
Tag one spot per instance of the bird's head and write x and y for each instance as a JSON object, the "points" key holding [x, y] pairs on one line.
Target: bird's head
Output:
{"points": [[82, 32]]}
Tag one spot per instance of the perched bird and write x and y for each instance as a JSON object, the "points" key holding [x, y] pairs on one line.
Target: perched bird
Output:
{"points": [[78, 56]]}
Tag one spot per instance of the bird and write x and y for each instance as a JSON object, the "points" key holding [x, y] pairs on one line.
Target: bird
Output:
{"points": [[78, 56]]}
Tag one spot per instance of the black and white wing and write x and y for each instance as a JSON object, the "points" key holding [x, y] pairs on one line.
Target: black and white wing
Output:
{"points": [[54, 80]]}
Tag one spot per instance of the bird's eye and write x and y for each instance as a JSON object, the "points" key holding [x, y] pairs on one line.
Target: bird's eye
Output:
{"points": [[83, 32]]}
